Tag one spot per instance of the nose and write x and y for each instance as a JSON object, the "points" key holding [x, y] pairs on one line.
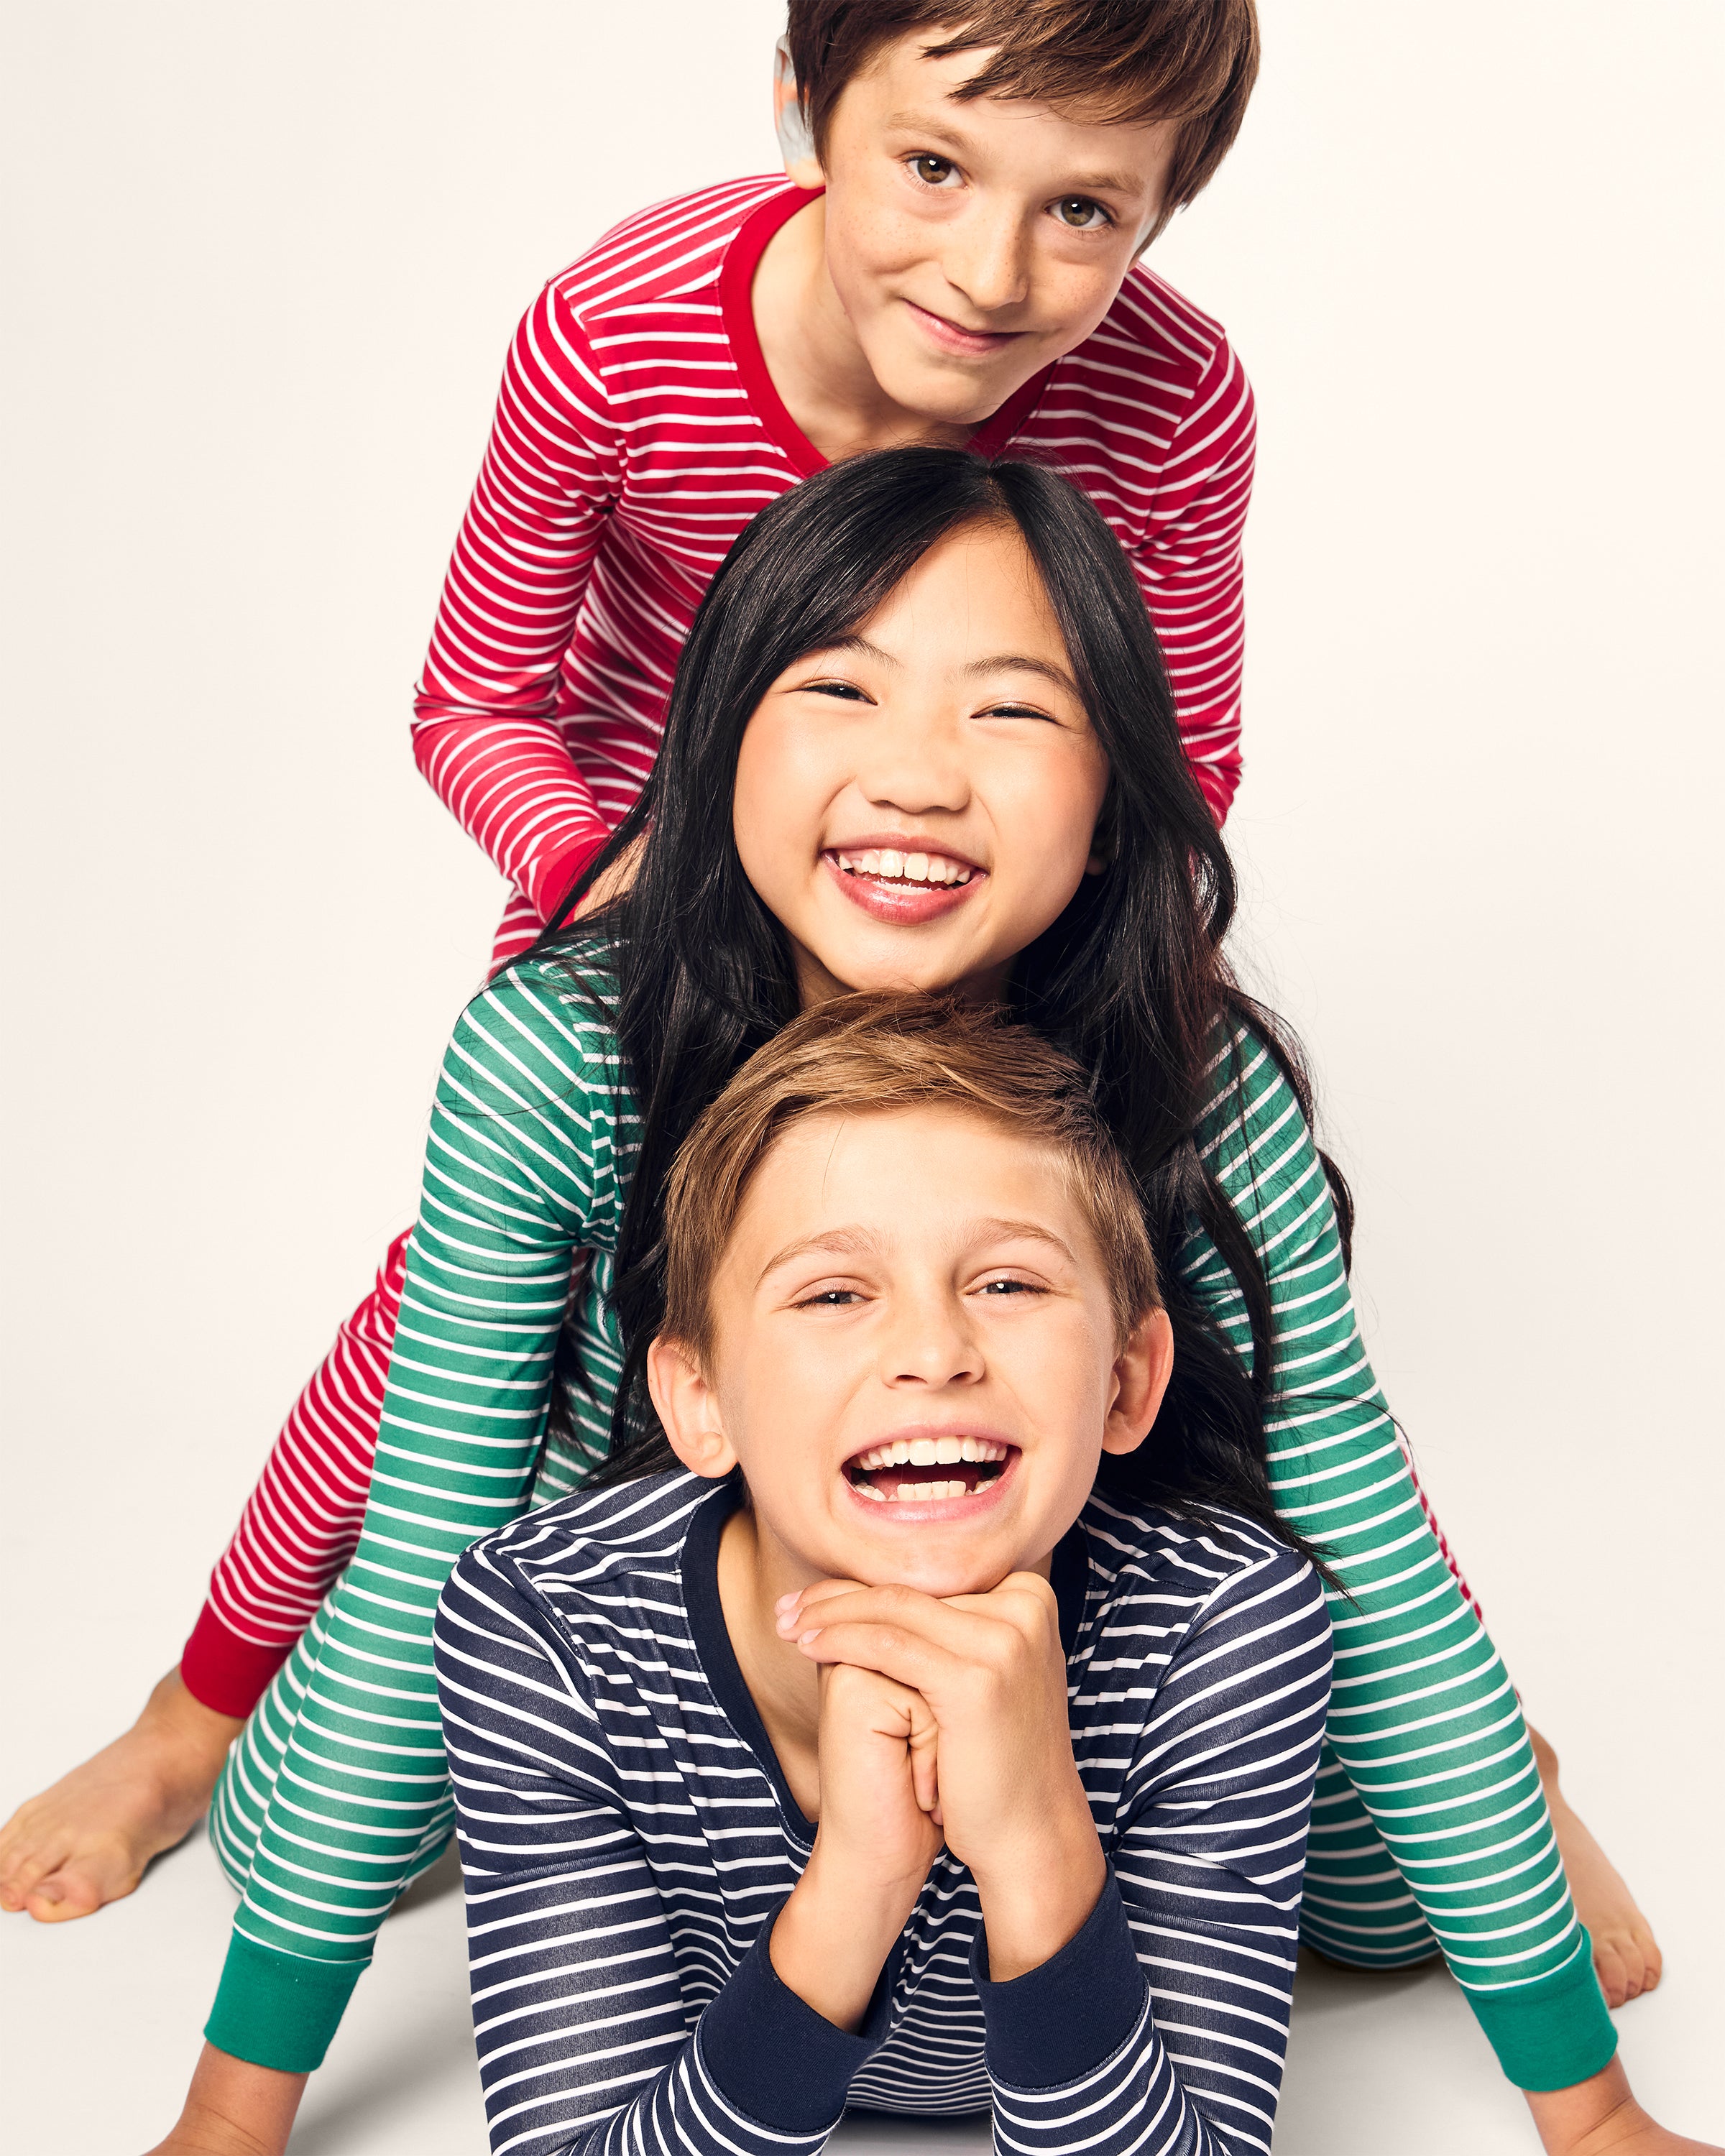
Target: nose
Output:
{"points": [[925, 1344], [988, 258], [912, 765]]}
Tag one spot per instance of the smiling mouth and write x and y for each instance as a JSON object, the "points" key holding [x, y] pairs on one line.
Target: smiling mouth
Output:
{"points": [[927, 1469], [907, 871], [957, 337]]}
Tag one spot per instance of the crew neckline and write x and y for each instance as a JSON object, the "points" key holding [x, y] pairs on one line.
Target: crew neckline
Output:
{"points": [[736, 279], [1069, 1575]]}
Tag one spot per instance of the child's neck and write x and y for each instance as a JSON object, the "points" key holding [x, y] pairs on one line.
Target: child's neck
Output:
{"points": [[812, 353], [754, 1570]]}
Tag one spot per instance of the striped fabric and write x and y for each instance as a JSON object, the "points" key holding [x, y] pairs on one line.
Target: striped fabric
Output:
{"points": [[637, 432], [626, 1838], [529, 1149]]}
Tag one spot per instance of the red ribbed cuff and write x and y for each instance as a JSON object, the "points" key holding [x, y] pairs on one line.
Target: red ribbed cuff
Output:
{"points": [[554, 880], [224, 1673]]}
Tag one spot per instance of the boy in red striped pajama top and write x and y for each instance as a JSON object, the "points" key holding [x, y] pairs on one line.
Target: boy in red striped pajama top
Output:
{"points": [[960, 263]]}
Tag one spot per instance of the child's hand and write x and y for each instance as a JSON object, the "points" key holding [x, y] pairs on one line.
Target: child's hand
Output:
{"points": [[992, 1669], [877, 1745], [1600, 2117], [875, 1843]]}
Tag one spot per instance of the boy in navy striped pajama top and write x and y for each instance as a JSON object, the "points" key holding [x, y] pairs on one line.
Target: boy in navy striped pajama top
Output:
{"points": [[868, 1736]]}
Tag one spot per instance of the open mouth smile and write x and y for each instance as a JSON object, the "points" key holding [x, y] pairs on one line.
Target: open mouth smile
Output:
{"points": [[903, 885], [928, 1470]]}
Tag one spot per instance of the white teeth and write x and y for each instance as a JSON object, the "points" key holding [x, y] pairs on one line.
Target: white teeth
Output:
{"points": [[901, 1450], [922, 1452], [868, 1490], [967, 1449], [947, 1451], [935, 868]]}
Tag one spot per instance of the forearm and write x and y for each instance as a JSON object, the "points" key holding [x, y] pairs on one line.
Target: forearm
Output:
{"points": [[1035, 1899], [235, 2109], [1599, 2116], [510, 781], [834, 1934]]}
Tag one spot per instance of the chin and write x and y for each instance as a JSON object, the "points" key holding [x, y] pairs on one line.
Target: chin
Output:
{"points": [[949, 394], [941, 1573]]}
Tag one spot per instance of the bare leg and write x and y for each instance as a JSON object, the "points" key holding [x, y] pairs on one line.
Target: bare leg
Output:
{"points": [[1626, 1954], [86, 1840]]}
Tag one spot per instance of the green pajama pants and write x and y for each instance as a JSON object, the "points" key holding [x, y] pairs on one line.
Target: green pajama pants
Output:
{"points": [[1358, 1909]]}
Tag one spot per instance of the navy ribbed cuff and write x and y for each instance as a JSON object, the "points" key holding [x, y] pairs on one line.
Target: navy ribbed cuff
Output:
{"points": [[1058, 2022], [773, 2057]]}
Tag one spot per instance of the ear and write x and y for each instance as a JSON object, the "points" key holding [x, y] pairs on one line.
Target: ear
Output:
{"points": [[688, 1408], [795, 145], [1141, 1370]]}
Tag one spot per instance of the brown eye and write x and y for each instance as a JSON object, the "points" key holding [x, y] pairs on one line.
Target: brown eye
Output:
{"points": [[1078, 211], [931, 170]]}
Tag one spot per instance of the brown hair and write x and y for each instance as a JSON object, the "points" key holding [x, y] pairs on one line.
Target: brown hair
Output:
{"points": [[1117, 60], [872, 1054]]}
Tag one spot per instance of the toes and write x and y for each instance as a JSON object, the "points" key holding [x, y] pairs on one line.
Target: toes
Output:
{"points": [[1613, 1977], [64, 1896], [26, 1873]]}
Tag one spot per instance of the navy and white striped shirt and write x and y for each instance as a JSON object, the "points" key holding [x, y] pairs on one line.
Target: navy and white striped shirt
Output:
{"points": [[627, 1837]]}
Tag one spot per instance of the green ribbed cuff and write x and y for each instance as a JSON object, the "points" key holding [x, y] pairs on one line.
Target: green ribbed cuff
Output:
{"points": [[1552, 2034], [279, 2009]]}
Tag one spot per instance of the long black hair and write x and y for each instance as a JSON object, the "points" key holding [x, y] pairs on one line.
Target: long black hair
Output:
{"points": [[1129, 980]]}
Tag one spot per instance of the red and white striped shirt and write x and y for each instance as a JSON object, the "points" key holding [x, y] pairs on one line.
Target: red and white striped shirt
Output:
{"points": [[637, 431]]}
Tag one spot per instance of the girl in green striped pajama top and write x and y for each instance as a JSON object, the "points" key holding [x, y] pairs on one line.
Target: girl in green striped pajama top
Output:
{"points": [[845, 688]]}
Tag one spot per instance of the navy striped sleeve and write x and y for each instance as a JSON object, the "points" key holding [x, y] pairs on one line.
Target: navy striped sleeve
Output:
{"points": [[552, 1858], [1203, 1898], [627, 1844]]}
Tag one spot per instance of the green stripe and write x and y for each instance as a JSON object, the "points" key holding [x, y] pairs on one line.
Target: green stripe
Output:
{"points": [[528, 1158]]}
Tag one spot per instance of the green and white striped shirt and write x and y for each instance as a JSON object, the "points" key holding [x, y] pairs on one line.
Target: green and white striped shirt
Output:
{"points": [[532, 1141]]}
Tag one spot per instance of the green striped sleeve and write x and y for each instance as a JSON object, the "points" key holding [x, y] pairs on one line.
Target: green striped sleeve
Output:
{"points": [[520, 1172], [1424, 1719]]}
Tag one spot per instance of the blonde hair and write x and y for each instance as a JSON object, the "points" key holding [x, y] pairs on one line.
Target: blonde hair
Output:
{"points": [[874, 1054]]}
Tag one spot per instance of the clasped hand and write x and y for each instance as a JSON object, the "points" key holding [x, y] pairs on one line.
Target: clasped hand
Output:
{"points": [[940, 1721]]}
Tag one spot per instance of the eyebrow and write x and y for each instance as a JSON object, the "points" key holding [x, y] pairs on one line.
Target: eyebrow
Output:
{"points": [[863, 1242], [1000, 662], [858, 644], [1019, 662], [938, 130], [841, 1242]]}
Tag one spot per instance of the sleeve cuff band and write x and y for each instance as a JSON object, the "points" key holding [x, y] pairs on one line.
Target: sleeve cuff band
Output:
{"points": [[277, 2009], [1552, 2034], [1058, 2022], [773, 2056]]}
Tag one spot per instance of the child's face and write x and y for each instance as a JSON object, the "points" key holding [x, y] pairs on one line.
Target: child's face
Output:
{"points": [[971, 244], [920, 1287], [917, 806]]}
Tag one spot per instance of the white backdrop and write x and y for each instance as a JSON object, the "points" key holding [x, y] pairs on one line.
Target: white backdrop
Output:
{"points": [[261, 269]]}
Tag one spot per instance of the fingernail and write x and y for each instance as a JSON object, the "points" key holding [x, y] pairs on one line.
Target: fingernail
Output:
{"points": [[803, 1638], [790, 1601]]}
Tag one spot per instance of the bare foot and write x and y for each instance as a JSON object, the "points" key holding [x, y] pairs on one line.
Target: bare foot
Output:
{"points": [[87, 1839], [1626, 1956]]}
